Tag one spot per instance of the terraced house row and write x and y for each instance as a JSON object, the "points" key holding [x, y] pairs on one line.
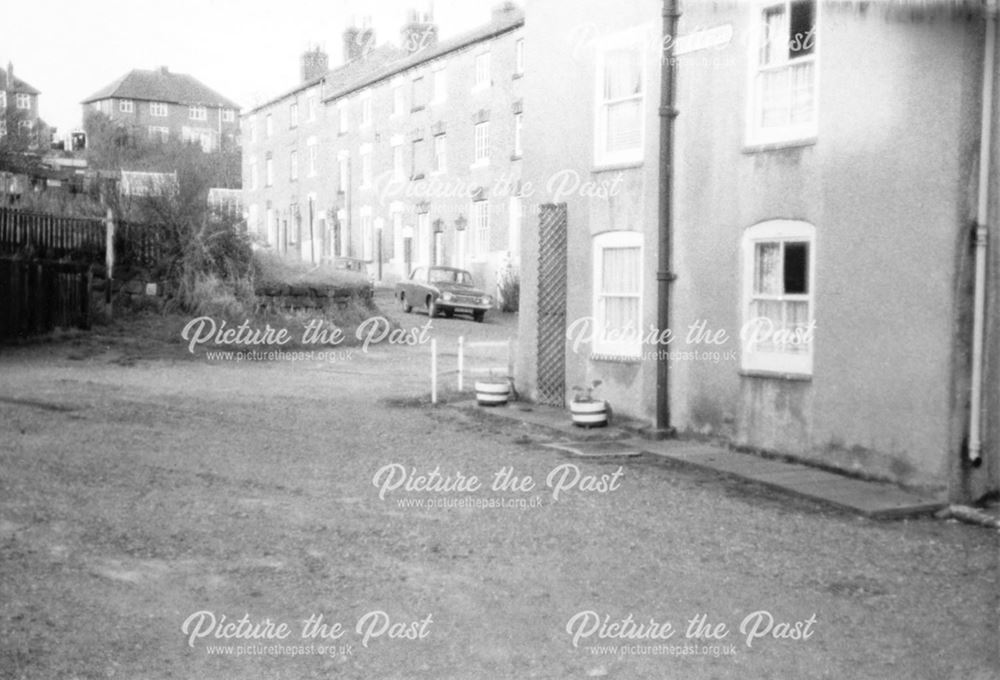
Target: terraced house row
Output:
{"points": [[405, 155]]}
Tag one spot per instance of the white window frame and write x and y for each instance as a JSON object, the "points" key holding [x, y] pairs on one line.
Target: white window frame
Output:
{"points": [[756, 133], [196, 112], [439, 87], [342, 122], [293, 165], [268, 125], [626, 343], [778, 363], [480, 226], [159, 133], [126, 106], [293, 115], [629, 39], [481, 144], [514, 225], [519, 56], [483, 72], [269, 171], [313, 152], [365, 153], [398, 97], [367, 234], [440, 154], [365, 99], [158, 109], [343, 159], [23, 101], [228, 115], [252, 125], [311, 106], [518, 122], [396, 219], [398, 158]]}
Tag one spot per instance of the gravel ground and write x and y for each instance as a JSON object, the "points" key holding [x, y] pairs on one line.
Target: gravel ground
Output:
{"points": [[140, 486]]}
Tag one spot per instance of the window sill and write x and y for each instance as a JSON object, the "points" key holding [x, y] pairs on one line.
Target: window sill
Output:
{"points": [[774, 375], [618, 165], [761, 147], [615, 358]]}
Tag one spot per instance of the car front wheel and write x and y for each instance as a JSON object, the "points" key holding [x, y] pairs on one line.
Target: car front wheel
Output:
{"points": [[479, 316], [432, 308]]}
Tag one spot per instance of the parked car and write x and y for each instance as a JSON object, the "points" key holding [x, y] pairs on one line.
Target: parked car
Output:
{"points": [[443, 289]]}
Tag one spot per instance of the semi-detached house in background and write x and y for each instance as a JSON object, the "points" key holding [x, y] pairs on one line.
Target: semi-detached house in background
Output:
{"points": [[18, 102], [403, 156], [159, 106]]}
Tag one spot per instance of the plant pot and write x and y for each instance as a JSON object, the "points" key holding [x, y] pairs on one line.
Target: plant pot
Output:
{"points": [[490, 393], [589, 413]]}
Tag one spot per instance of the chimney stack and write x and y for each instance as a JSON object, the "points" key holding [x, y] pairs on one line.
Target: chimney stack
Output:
{"points": [[315, 63], [503, 10], [358, 41], [419, 31]]}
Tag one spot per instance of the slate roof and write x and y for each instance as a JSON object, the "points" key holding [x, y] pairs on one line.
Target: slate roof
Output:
{"points": [[162, 86], [373, 61], [17, 86], [502, 23], [387, 60]]}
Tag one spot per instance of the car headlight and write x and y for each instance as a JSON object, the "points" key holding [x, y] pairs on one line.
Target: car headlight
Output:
{"points": [[447, 297], [486, 300]]}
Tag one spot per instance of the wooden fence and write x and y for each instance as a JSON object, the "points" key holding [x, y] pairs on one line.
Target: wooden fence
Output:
{"points": [[39, 295], [80, 239]]}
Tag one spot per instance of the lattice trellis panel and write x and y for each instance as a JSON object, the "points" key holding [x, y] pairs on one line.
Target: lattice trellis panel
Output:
{"points": [[552, 262]]}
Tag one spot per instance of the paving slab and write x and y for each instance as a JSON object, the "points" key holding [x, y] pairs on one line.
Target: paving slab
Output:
{"points": [[869, 498]]}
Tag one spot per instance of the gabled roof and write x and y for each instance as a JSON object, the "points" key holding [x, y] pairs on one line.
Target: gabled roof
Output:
{"points": [[387, 60], [501, 23], [162, 86], [373, 61], [16, 85]]}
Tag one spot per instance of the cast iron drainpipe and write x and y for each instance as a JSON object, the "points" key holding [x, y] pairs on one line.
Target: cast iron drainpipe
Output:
{"points": [[982, 238], [664, 275]]}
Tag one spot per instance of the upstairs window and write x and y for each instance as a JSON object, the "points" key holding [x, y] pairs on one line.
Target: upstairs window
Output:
{"points": [[228, 115], [126, 106], [366, 109], [783, 101], [483, 78], [268, 125], [620, 96], [777, 333], [440, 154], [158, 109], [482, 143], [418, 94], [519, 56], [293, 114], [397, 99], [23, 100], [440, 85], [197, 113], [293, 165]]}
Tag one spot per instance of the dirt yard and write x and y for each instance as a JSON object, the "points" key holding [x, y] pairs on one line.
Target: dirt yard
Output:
{"points": [[146, 493]]}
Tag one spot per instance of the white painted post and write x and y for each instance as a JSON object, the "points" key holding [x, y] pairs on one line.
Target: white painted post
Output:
{"points": [[461, 362], [434, 371], [109, 253]]}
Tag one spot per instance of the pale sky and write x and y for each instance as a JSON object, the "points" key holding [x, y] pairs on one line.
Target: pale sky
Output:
{"points": [[246, 50]]}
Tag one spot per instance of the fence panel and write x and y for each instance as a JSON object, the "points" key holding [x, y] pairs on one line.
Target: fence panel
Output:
{"points": [[37, 296]]}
